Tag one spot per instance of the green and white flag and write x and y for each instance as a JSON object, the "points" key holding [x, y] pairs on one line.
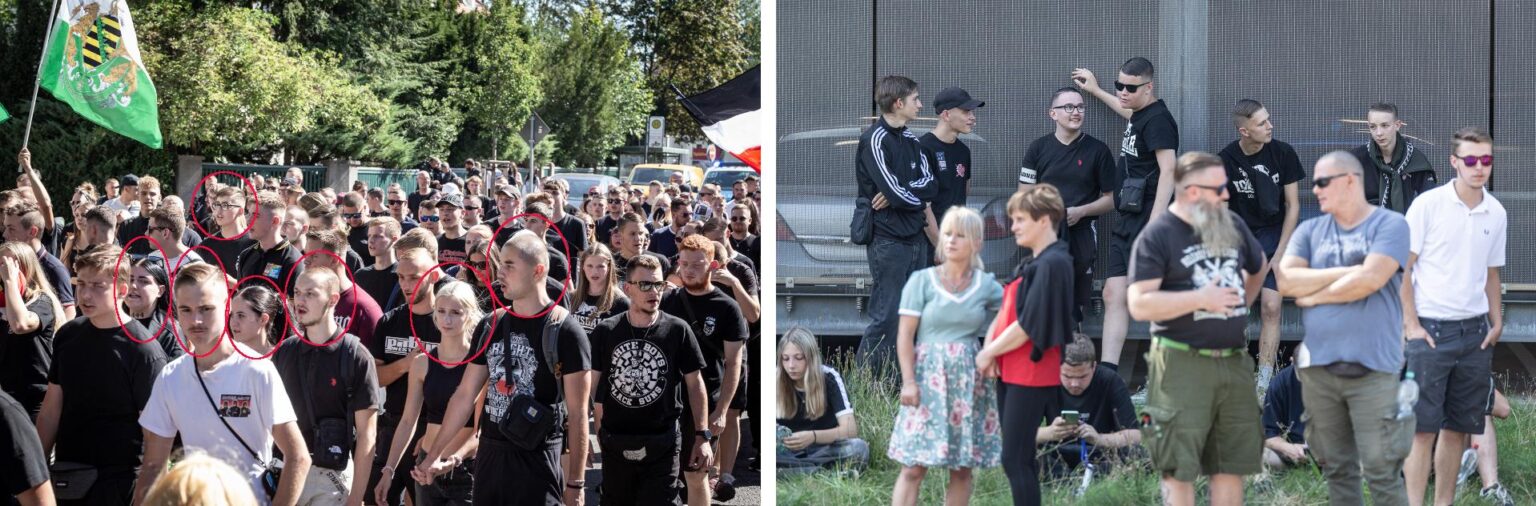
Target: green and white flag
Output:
{"points": [[92, 63]]}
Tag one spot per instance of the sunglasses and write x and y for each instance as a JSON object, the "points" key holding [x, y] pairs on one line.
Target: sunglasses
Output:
{"points": [[1323, 182], [649, 286], [472, 208], [428, 219], [352, 216], [480, 266], [396, 202], [1472, 161], [1220, 189], [1129, 88], [615, 201]]}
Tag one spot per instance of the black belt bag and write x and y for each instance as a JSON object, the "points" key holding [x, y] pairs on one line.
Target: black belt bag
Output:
{"points": [[640, 449], [861, 230], [1132, 191], [333, 442], [528, 422], [72, 480]]}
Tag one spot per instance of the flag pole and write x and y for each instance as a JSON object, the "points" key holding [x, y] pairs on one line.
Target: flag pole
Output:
{"points": [[32, 108]]}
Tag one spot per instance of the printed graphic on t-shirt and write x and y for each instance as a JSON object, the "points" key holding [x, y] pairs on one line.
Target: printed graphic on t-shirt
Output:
{"points": [[584, 315], [638, 373], [235, 406], [1344, 250], [1128, 142], [709, 326], [943, 164], [520, 382], [960, 169], [1218, 269], [272, 270], [404, 345]]}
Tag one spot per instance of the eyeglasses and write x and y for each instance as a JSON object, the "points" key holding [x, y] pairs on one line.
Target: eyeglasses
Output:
{"points": [[648, 286], [1129, 88], [479, 266], [1074, 108], [428, 219], [1472, 161], [226, 207], [1323, 182], [1220, 189]]}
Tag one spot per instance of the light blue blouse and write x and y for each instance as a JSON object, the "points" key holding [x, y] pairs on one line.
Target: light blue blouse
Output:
{"points": [[948, 317]]}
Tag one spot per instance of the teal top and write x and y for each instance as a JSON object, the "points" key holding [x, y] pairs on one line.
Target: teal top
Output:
{"points": [[950, 317]]}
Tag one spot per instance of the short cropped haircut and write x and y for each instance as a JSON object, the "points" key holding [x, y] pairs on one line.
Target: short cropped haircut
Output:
{"points": [[539, 208], [539, 197], [1079, 351], [1193, 162], [31, 216], [697, 242], [641, 262], [103, 259], [390, 225], [892, 88], [198, 274], [271, 204], [555, 182], [169, 218], [528, 247], [629, 218], [328, 240], [417, 239], [1475, 135], [352, 200], [1244, 111], [1041, 200], [1057, 94], [1139, 67], [101, 215], [1386, 107], [376, 193]]}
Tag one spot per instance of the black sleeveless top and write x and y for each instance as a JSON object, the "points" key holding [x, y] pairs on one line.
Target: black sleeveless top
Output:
{"points": [[438, 388]]}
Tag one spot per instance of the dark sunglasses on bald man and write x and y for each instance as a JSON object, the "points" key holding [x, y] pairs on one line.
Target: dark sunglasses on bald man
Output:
{"points": [[1323, 182]]}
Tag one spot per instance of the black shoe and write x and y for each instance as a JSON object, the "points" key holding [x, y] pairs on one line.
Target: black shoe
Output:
{"points": [[725, 491]]}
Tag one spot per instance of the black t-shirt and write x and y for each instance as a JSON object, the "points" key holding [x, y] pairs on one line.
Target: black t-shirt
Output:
{"points": [[53, 237], [165, 336], [357, 240], [1258, 182], [604, 229], [58, 277], [380, 284], [1105, 404], [227, 251], [519, 343], [588, 315], [1169, 250], [749, 246], [24, 465], [394, 341], [1043, 301], [716, 320], [559, 266], [642, 383], [621, 264], [413, 201], [953, 161], [452, 250], [1082, 170], [279, 264], [106, 380], [1150, 129], [1283, 408], [25, 358], [503, 233], [836, 403], [338, 379], [575, 232]]}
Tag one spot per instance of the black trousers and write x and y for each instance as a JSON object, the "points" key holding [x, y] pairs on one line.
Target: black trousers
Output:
{"points": [[508, 475], [1022, 409], [652, 478], [402, 480]]}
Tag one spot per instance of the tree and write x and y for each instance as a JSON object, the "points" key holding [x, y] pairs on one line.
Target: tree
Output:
{"points": [[694, 44], [595, 94], [496, 82]]}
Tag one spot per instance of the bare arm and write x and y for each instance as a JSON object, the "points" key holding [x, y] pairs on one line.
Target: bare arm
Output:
{"points": [[1295, 278], [412, 414], [1495, 291], [366, 422], [698, 402], [392, 372], [578, 392], [22, 320], [296, 462], [931, 228], [1012, 337], [1148, 302], [1410, 311], [1288, 227], [847, 428], [157, 450], [1085, 81], [459, 409], [750, 308], [906, 349], [1102, 206], [48, 416], [44, 203], [1378, 269], [1167, 159], [41, 495], [732, 376]]}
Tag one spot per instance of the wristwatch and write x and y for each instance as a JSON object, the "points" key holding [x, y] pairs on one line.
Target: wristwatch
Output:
{"points": [[707, 435]]}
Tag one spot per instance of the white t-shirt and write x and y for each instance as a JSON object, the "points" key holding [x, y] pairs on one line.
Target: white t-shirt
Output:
{"points": [[192, 257], [1456, 246], [116, 204], [250, 392]]}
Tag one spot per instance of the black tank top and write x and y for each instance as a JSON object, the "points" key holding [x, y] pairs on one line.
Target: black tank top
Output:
{"points": [[438, 388]]}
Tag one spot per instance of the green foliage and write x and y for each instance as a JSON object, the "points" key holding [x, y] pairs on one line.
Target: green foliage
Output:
{"points": [[498, 74], [595, 94], [688, 43]]}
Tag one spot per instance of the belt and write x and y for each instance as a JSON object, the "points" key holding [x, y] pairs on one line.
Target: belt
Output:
{"points": [[1204, 352]]}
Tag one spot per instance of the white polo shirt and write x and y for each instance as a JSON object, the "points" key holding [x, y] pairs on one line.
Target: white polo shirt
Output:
{"points": [[1456, 245]]}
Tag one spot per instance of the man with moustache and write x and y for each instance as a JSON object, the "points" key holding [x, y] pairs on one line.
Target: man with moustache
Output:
{"points": [[951, 157], [1194, 272], [1343, 270], [335, 390], [247, 410], [1083, 171], [1396, 170]]}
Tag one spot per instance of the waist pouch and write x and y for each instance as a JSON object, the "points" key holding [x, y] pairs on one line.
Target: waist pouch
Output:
{"points": [[528, 422], [333, 440], [72, 480], [1131, 193]]}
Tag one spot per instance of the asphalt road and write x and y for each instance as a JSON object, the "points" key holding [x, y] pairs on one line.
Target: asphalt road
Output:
{"points": [[748, 483]]}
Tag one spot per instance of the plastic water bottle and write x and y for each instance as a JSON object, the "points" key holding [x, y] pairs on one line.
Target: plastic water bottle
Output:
{"points": [[1468, 464], [1407, 396]]}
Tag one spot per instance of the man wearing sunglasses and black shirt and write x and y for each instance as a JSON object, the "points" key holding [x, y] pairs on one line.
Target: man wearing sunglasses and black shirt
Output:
{"points": [[741, 238], [1148, 155], [399, 211], [1083, 170], [357, 231]]}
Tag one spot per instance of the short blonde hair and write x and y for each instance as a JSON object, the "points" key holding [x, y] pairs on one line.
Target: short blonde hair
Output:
{"points": [[199, 480], [964, 220], [417, 238]]}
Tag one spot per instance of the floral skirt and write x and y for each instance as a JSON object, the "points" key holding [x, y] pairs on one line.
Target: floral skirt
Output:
{"points": [[955, 423]]}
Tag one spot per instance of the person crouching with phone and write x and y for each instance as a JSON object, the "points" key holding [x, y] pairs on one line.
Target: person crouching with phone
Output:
{"points": [[1097, 422]]}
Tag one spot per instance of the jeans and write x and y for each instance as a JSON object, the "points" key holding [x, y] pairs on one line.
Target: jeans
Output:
{"points": [[891, 262], [1353, 431], [850, 453]]}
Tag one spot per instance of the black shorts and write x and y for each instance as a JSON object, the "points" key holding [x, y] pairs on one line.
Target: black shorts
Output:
{"points": [[651, 477], [712, 390], [1269, 239], [1453, 376], [1121, 238], [1083, 245], [401, 483], [513, 476]]}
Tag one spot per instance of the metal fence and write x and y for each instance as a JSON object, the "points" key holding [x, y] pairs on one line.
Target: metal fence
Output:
{"points": [[1315, 65]]}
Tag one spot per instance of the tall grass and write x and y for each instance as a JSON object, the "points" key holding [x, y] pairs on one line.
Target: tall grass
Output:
{"points": [[875, 406]]}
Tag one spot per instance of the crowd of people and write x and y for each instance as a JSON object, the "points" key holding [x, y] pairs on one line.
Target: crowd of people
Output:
{"points": [[1397, 280], [460, 343]]}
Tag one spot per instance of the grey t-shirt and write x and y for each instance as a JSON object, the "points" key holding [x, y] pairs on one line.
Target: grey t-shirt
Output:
{"points": [[1369, 330]]}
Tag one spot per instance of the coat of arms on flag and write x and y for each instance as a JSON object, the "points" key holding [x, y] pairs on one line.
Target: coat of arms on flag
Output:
{"points": [[92, 63]]}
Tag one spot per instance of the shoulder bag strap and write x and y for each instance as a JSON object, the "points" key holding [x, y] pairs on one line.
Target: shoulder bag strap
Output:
{"points": [[220, 414]]}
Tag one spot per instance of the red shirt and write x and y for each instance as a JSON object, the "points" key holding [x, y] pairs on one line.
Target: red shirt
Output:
{"points": [[1016, 367]]}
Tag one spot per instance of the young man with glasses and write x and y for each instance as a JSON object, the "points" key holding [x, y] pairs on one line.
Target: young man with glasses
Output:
{"points": [[647, 366], [664, 241], [1451, 310], [1343, 269], [952, 158], [1263, 175], [427, 216], [1194, 274], [1083, 171], [1396, 169], [1148, 153], [357, 232]]}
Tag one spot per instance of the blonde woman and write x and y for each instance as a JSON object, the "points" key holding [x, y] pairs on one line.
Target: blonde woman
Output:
{"points": [[31, 314], [948, 416], [201, 480], [431, 385], [817, 430], [598, 287]]}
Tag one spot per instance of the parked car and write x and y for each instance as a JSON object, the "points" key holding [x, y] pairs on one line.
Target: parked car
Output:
{"points": [[581, 183], [644, 173], [727, 175]]}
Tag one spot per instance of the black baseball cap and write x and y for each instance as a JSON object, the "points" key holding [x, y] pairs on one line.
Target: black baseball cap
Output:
{"points": [[953, 97], [129, 180]]}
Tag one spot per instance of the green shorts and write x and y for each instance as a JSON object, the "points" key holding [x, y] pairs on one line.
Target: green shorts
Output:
{"points": [[1205, 417]]}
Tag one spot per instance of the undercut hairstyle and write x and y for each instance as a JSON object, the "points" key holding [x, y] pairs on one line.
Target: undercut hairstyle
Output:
{"points": [[390, 225], [352, 200], [103, 259], [697, 242], [1386, 107], [198, 274], [31, 216], [1139, 67], [528, 247], [417, 241], [1079, 351], [556, 183], [1475, 135], [271, 205], [539, 208], [328, 240], [231, 192], [1041, 200], [1193, 162], [101, 215], [148, 182], [891, 89], [641, 262], [539, 197], [630, 219], [376, 193], [1059, 92], [711, 225], [1244, 111], [678, 204], [169, 218]]}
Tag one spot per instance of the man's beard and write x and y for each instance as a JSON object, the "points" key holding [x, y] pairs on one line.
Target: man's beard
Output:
{"points": [[1214, 226], [696, 285]]}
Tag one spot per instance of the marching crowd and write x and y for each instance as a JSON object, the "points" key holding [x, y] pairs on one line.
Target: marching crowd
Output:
{"points": [[1397, 280], [456, 344]]}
